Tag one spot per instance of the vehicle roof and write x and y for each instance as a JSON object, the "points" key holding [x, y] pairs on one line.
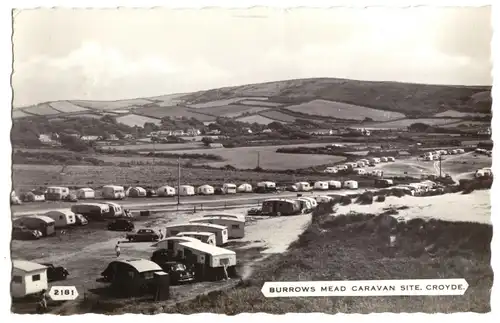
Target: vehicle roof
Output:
{"points": [[186, 186], [280, 200], [40, 217], [57, 187], [59, 212], [27, 266], [208, 218], [112, 204], [230, 184], [113, 186], [177, 238], [198, 233], [87, 189], [206, 185], [208, 225], [106, 204], [207, 248], [141, 265], [227, 215]]}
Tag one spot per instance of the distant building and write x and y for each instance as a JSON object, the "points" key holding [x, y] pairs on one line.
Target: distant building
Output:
{"points": [[89, 138], [213, 132], [193, 132], [267, 130], [216, 145], [49, 139], [485, 132]]}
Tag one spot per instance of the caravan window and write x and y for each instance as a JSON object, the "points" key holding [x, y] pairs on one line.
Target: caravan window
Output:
{"points": [[35, 277], [235, 226], [224, 261], [17, 279], [60, 217], [148, 275]]}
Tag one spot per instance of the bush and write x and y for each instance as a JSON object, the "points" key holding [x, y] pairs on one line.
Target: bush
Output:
{"points": [[381, 198], [365, 198], [345, 200]]}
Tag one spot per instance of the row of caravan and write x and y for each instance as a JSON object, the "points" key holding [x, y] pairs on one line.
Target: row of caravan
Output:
{"points": [[354, 166], [324, 185]]}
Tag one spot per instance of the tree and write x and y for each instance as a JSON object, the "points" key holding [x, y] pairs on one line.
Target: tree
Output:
{"points": [[207, 141], [419, 127]]}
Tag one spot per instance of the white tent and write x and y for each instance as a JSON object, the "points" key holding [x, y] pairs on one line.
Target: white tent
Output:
{"points": [[137, 192], [244, 188], [85, 193], [166, 191]]}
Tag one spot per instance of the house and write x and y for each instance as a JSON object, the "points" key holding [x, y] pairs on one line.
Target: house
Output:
{"points": [[44, 224], [235, 226], [48, 139], [267, 130], [63, 218], [486, 132], [193, 132], [213, 132], [28, 278], [221, 232], [85, 193]]}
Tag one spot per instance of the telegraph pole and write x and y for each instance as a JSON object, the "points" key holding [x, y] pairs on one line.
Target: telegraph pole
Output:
{"points": [[258, 159], [440, 158], [178, 182]]}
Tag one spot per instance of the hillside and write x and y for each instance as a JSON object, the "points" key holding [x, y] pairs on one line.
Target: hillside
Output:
{"points": [[284, 101]]}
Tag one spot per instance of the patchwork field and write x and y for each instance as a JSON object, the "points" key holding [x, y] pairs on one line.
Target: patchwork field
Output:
{"points": [[256, 118], [111, 105], [232, 110], [160, 112], [67, 107], [278, 116], [341, 110], [458, 114], [404, 123], [136, 120], [168, 100], [217, 103], [466, 124], [261, 103], [41, 110], [159, 147]]}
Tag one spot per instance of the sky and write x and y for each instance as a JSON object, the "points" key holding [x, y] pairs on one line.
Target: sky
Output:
{"points": [[112, 54]]}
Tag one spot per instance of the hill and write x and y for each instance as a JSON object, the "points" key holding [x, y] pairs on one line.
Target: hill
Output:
{"points": [[284, 101]]}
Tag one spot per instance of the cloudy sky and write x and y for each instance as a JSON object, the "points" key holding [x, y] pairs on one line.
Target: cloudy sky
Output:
{"points": [[112, 54]]}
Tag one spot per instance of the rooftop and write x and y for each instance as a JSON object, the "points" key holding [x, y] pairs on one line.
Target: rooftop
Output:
{"points": [[210, 249], [27, 266]]}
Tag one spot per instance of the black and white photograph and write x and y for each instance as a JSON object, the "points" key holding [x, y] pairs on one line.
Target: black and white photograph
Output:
{"points": [[258, 160]]}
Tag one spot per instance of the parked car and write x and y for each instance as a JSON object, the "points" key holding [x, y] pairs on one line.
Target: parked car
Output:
{"points": [[177, 271], [292, 188], [121, 225], [23, 233], [81, 220], [143, 235], [55, 273]]}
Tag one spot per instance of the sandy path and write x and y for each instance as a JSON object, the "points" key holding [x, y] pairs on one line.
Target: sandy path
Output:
{"points": [[474, 207]]}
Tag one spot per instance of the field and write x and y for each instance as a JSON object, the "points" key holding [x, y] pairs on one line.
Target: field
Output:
{"points": [[111, 105], [168, 100], [66, 107], [278, 116], [158, 147], [16, 113], [136, 120], [175, 112], [260, 103], [341, 110], [404, 123], [41, 110], [457, 114], [88, 115], [466, 124], [256, 118], [217, 103], [232, 111]]}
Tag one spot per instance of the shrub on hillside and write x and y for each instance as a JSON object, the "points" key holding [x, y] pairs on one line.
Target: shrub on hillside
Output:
{"points": [[381, 198], [345, 200], [365, 198]]}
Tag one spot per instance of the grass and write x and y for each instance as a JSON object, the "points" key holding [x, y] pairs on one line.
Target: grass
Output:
{"points": [[232, 110], [278, 116], [136, 120], [160, 112], [217, 103], [18, 114], [260, 103], [355, 248], [111, 105], [404, 123], [341, 110], [457, 114], [42, 110], [66, 107]]}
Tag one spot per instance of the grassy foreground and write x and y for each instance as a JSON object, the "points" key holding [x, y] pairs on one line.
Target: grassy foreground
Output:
{"points": [[355, 248]]}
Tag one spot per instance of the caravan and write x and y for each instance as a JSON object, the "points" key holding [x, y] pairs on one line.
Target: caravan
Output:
{"points": [[166, 191], [96, 211], [322, 186], [235, 227], [205, 237], [205, 190], [244, 188], [85, 193], [275, 207], [221, 232], [113, 192], [62, 218], [44, 224], [303, 186], [265, 187], [55, 193], [229, 188], [186, 190]]}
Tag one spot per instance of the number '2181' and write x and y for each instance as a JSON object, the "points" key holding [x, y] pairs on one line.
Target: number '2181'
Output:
{"points": [[63, 293]]}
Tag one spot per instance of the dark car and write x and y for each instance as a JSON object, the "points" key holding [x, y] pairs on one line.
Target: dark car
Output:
{"points": [[178, 271], [254, 211], [121, 225], [218, 191], [55, 273], [143, 235], [151, 193], [23, 233]]}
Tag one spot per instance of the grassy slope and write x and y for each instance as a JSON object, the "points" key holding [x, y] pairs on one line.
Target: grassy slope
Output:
{"points": [[390, 96], [355, 249]]}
